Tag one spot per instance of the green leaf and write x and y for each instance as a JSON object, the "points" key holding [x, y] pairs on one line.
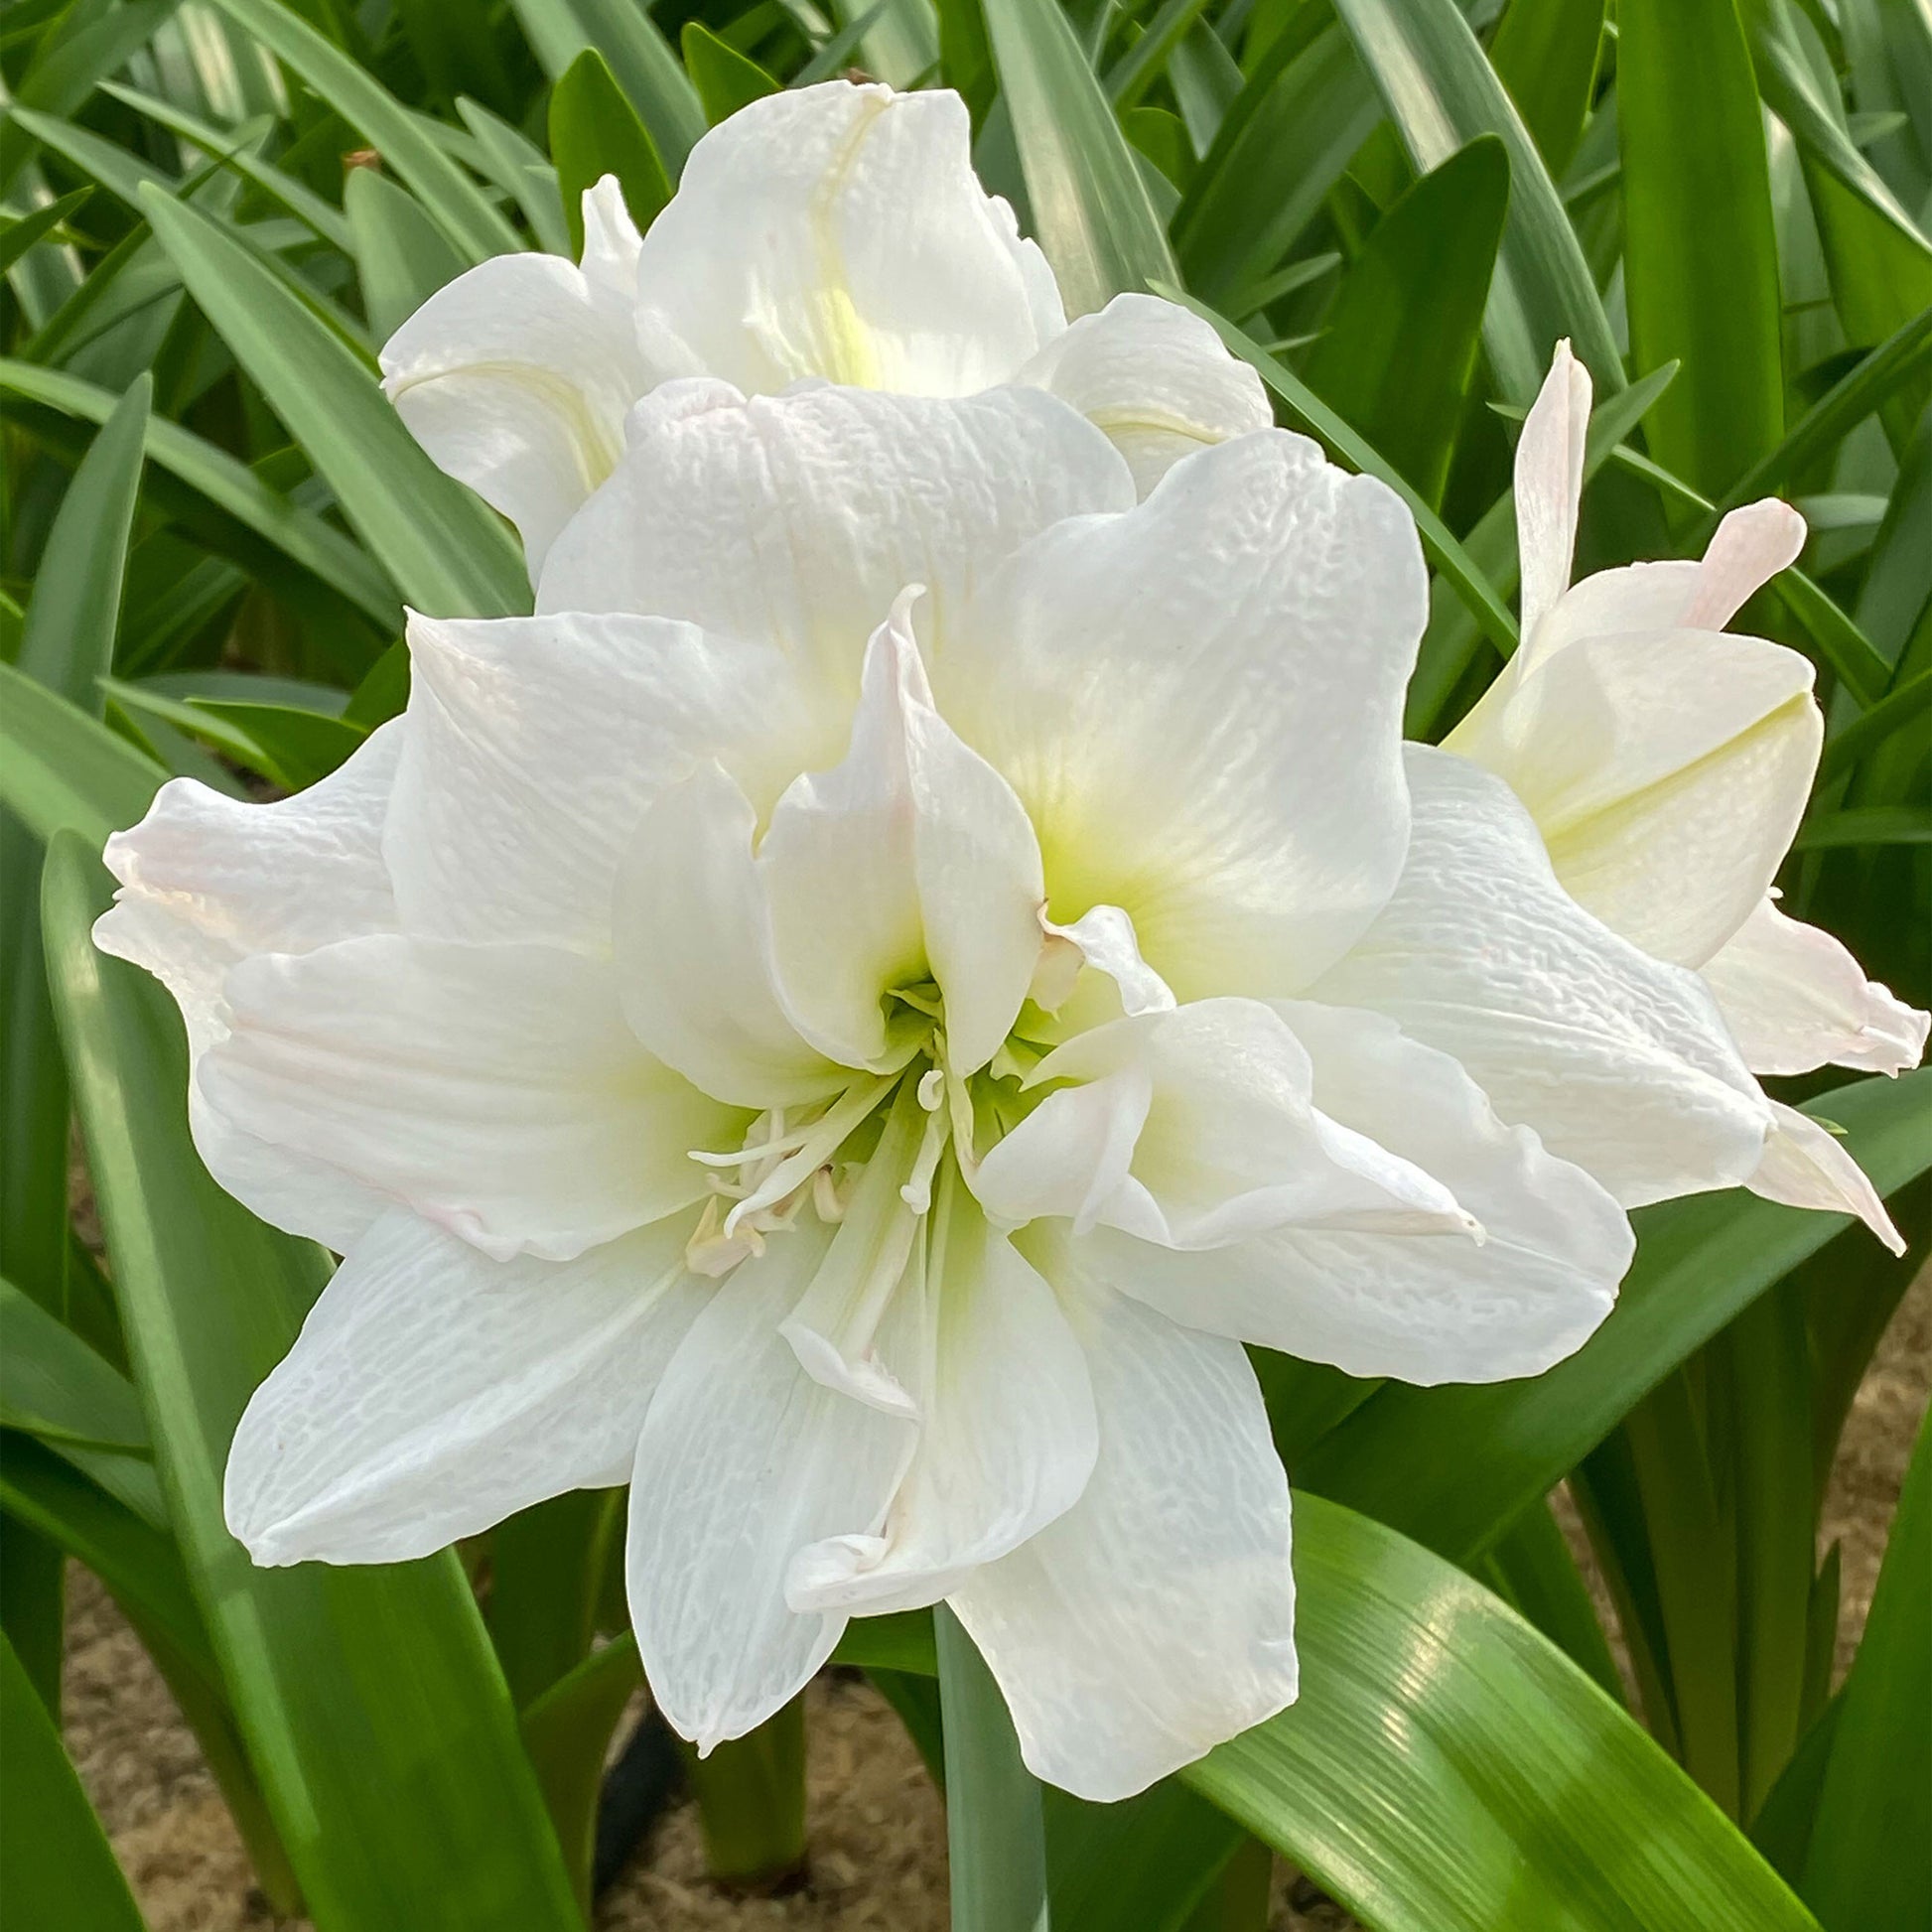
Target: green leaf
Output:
{"points": [[57, 1867], [67, 640], [595, 131], [225, 145], [1700, 249], [1281, 148], [1448, 555], [401, 255], [1868, 824], [1090, 207], [122, 1539], [1401, 338], [567, 1736], [81, 48], [1146, 1862], [30, 229], [232, 487], [1442, 92], [54, 1386], [1869, 1862], [288, 746], [1545, 54], [209, 1301], [1530, 1567], [1447, 1769], [519, 168], [458, 207], [64, 768], [724, 78], [644, 63], [995, 1841], [1453, 1465], [1898, 361], [448, 554]]}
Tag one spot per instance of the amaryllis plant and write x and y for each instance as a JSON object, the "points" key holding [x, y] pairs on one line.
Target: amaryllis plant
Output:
{"points": [[929, 1008]]}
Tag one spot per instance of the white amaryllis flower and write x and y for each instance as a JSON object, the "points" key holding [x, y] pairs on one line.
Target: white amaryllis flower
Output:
{"points": [[1667, 764], [857, 1060], [835, 232]]}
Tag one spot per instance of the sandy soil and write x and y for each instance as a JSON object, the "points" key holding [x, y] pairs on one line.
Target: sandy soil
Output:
{"points": [[877, 1826]]}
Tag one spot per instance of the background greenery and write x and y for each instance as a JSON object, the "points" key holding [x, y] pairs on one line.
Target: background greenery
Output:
{"points": [[211, 212]]}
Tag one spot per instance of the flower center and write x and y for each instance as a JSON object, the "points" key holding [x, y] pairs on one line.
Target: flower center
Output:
{"points": [[798, 1157]]}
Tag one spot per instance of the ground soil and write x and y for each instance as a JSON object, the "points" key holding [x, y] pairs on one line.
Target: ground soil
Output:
{"points": [[877, 1859]]}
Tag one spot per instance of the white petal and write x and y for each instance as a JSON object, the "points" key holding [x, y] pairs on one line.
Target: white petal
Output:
{"points": [[494, 1089], [433, 1391], [1156, 1618], [1228, 1144], [1621, 1062], [534, 745], [1427, 1307], [610, 246], [1008, 1435], [1795, 999], [1104, 939], [1550, 487], [798, 519], [1667, 772], [910, 859], [1156, 378], [745, 1461], [1750, 547], [837, 1324], [693, 955], [1199, 702], [840, 232], [1806, 1166], [515, 378], [207, 880]]}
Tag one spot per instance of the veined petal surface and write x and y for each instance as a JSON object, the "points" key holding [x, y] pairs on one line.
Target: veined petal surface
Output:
{"points": [[1525, 1284], [478, 1387], [1795, 999], [745, 1461], [796, 519], [1155, 1618], [494, 1089], [1621, 1062], [839, 231], [1198, 703]]}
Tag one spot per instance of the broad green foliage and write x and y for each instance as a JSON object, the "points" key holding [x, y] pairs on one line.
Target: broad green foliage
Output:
{"points": [[212, 212]]}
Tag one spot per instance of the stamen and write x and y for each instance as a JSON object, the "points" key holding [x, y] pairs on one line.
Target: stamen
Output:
{"points": [[827, 1133]]}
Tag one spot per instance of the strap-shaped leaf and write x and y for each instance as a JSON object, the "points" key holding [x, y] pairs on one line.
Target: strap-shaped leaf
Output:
{"points": [[1090, 208], [1700, 248], [1447, 1769], [639, 55], [460, 208], [447, 553], [56, 1865], [210, 1299], [1442, 92]]}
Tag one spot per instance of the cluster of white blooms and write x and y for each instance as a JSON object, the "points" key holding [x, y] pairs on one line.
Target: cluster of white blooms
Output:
{"points": [[931, 938]]}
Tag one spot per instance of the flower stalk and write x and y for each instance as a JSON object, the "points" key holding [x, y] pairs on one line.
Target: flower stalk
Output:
{"points": [[750, 1795], [996, 1846]]}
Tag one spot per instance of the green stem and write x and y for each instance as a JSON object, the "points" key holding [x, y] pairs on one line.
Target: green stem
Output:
{"points": [[996, 1846], [751, 1797]]}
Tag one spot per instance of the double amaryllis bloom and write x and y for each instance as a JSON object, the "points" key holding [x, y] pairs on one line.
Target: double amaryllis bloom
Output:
{"points": [[927, 941]]}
